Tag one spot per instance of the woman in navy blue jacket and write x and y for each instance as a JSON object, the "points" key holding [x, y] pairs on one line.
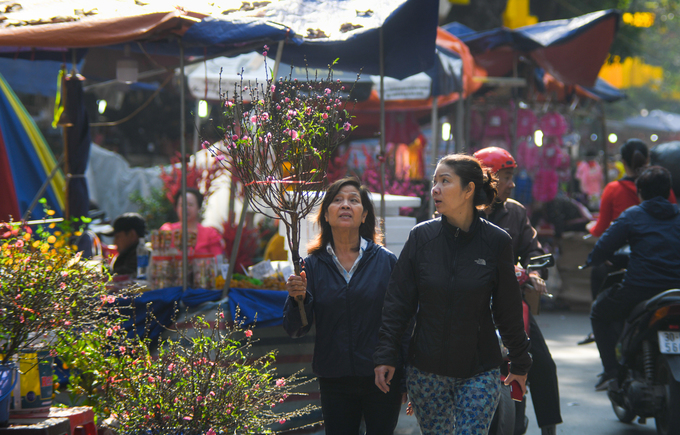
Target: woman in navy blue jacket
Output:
{"points": [[344, 281]]}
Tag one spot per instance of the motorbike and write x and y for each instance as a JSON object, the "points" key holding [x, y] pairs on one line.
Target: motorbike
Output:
{"points": [[510, 418], [649, 352]]}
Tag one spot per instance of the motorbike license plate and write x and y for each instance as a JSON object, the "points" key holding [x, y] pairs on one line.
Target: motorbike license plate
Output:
{"points": [[669, 342]]}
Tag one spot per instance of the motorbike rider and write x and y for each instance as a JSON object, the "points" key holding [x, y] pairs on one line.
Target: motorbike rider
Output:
{"points": [[652, 229], [511, 216]]}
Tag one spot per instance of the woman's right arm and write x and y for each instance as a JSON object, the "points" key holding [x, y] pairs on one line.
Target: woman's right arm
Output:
{"points": [[298, 285], [399, 307]]}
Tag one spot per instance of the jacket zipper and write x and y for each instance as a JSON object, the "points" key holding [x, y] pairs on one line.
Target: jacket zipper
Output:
{"points": [[349, 329], [453, 286]]}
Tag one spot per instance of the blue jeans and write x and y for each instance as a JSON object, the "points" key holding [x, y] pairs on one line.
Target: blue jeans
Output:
{"points": [[344, 401], [446, 405]]}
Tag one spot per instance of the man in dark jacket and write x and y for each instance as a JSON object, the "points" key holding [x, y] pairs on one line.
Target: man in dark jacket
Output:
{"points": [[512, 217], [127, 229], [653, 231]]}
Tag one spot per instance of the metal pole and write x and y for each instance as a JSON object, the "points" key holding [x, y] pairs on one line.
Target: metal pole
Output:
{"points": [[183, 152], [460, 124], [382, 134], [605, 154], [235, 246], [277, 61], [435, 140], [197, 124]]}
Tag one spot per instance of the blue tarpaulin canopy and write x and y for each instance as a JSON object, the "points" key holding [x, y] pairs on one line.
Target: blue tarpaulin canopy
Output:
{"points": [[319, 32], [571, 50]]}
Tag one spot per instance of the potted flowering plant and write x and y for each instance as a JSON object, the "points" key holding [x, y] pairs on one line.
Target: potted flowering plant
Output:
{"points": [[45, 289], [203, 381]]}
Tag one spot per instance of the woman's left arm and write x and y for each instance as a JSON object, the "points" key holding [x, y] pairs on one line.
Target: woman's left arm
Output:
{"points": [[507, 313]]}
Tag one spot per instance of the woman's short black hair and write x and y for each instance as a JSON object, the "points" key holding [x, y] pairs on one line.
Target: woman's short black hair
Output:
{"points": [[368, 229], [471, 170], [654, 181]]}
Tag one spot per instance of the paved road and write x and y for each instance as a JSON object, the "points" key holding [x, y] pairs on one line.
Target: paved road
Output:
{"points": [[584, 410]]}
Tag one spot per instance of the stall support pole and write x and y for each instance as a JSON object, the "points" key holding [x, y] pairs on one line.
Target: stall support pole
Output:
{"points": [[183, 152], [382, 135], [605, 154], [435, 140], [460, 124]]}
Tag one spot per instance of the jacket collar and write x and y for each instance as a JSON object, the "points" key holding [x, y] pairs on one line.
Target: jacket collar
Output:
{"points": [[453, 231], [371, 249], [497, 212]]}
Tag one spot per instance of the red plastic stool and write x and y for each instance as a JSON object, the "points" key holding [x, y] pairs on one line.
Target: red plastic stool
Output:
{"points": [[81, 419]]}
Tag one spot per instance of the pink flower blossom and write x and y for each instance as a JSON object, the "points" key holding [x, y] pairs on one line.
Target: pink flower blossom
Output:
{"points": [[294, 134], [264, 53], [347, 126], [199, 398], [151, 379], [249, 333], [122, 349], [287, 100], [273, 88], [187, 418], [67, 323], [308, 111], [62, 285], [281, 382], [109, 332], [283, 420], [228, 104], [328, 107], [253, 119], [21, 319], [19, 243], [327, 91], [278, 107], [234, 137], [171, 367], [325, 116], [221, 315], [211, 431], [264, 116], [110, 299], [266, 47]]}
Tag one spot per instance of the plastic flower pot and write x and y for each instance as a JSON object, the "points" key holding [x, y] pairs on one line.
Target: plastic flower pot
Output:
{"points": [[8, 379]]}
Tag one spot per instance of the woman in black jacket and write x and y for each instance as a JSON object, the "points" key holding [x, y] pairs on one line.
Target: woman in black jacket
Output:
{"points": [[344, 282], [456, 276]]}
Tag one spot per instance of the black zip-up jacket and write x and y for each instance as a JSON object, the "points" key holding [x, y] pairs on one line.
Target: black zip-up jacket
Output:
{"points": [[347, 315], [447, 278]]}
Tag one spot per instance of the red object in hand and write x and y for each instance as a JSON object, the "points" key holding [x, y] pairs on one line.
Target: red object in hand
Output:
{"points": [[516, 391], [521, 274]]}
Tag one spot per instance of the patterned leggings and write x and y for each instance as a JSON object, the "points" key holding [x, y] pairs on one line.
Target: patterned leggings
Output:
{"points": [[446, 405]]}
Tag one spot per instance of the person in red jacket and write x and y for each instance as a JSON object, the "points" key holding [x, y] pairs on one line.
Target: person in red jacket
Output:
{"points": [[616, 198], [622, 194]]}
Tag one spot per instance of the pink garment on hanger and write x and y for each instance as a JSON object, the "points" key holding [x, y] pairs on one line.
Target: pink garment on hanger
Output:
{"points": [[527, 155], [526, 122], [589, 173], [553, 124], [545, 185], [497, 126]]}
